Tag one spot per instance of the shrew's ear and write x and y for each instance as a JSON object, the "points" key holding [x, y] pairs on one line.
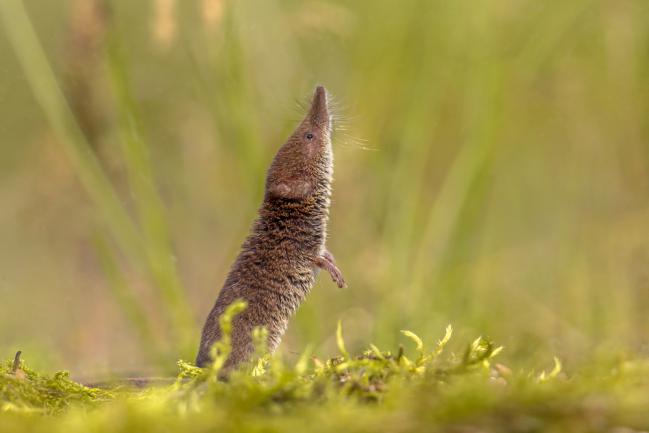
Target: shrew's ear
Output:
{"points": [[292, 188]]}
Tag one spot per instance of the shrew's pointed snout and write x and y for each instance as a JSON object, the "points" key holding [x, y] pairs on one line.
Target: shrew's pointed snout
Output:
{"points": [[319, 113]]}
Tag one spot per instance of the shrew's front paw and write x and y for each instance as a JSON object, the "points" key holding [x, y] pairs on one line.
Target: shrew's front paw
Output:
{"points": [[327, 262]]}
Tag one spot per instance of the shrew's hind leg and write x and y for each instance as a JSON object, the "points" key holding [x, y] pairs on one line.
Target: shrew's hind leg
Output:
{"points": [[326, 261]]}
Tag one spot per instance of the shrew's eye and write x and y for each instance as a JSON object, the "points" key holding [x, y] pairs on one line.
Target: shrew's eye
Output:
{"points": [[309, 136]]}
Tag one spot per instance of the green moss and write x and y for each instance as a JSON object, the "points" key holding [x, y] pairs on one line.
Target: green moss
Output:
{"points": [[407, 390], [24, 390]]}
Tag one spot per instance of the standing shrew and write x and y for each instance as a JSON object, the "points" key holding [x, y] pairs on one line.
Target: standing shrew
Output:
{"points": [[285, 250]]}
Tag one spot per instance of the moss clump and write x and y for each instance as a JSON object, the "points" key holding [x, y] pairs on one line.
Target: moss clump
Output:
{"points": [[417, 389], [24, 390]]}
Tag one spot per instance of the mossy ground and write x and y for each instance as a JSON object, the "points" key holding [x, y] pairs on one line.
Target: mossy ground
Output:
{"points": [[424, 389]]}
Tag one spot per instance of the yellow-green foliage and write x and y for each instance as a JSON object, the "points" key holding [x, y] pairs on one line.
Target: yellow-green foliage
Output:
{"points": [[406, 390], [24, 390], [492, 161]]}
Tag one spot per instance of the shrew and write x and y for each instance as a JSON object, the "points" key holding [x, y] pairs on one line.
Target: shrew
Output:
{"points": [[285, 249]]}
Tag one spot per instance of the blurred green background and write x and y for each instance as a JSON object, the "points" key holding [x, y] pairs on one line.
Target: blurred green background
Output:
{"points": [[491, 171]]}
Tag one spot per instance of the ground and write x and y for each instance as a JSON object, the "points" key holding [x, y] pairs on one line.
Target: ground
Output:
{"points": [[411, 389]]}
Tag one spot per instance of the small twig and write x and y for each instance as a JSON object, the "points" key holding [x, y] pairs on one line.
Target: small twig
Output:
{"points": [[400, 353], [136, 382], [16, 363]]}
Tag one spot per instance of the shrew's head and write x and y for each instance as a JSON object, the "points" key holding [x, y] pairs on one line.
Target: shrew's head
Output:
{"points": [[303, 164]]}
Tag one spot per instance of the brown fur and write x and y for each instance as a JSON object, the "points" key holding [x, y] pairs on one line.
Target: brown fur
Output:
{"points": [[281, 257]]}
